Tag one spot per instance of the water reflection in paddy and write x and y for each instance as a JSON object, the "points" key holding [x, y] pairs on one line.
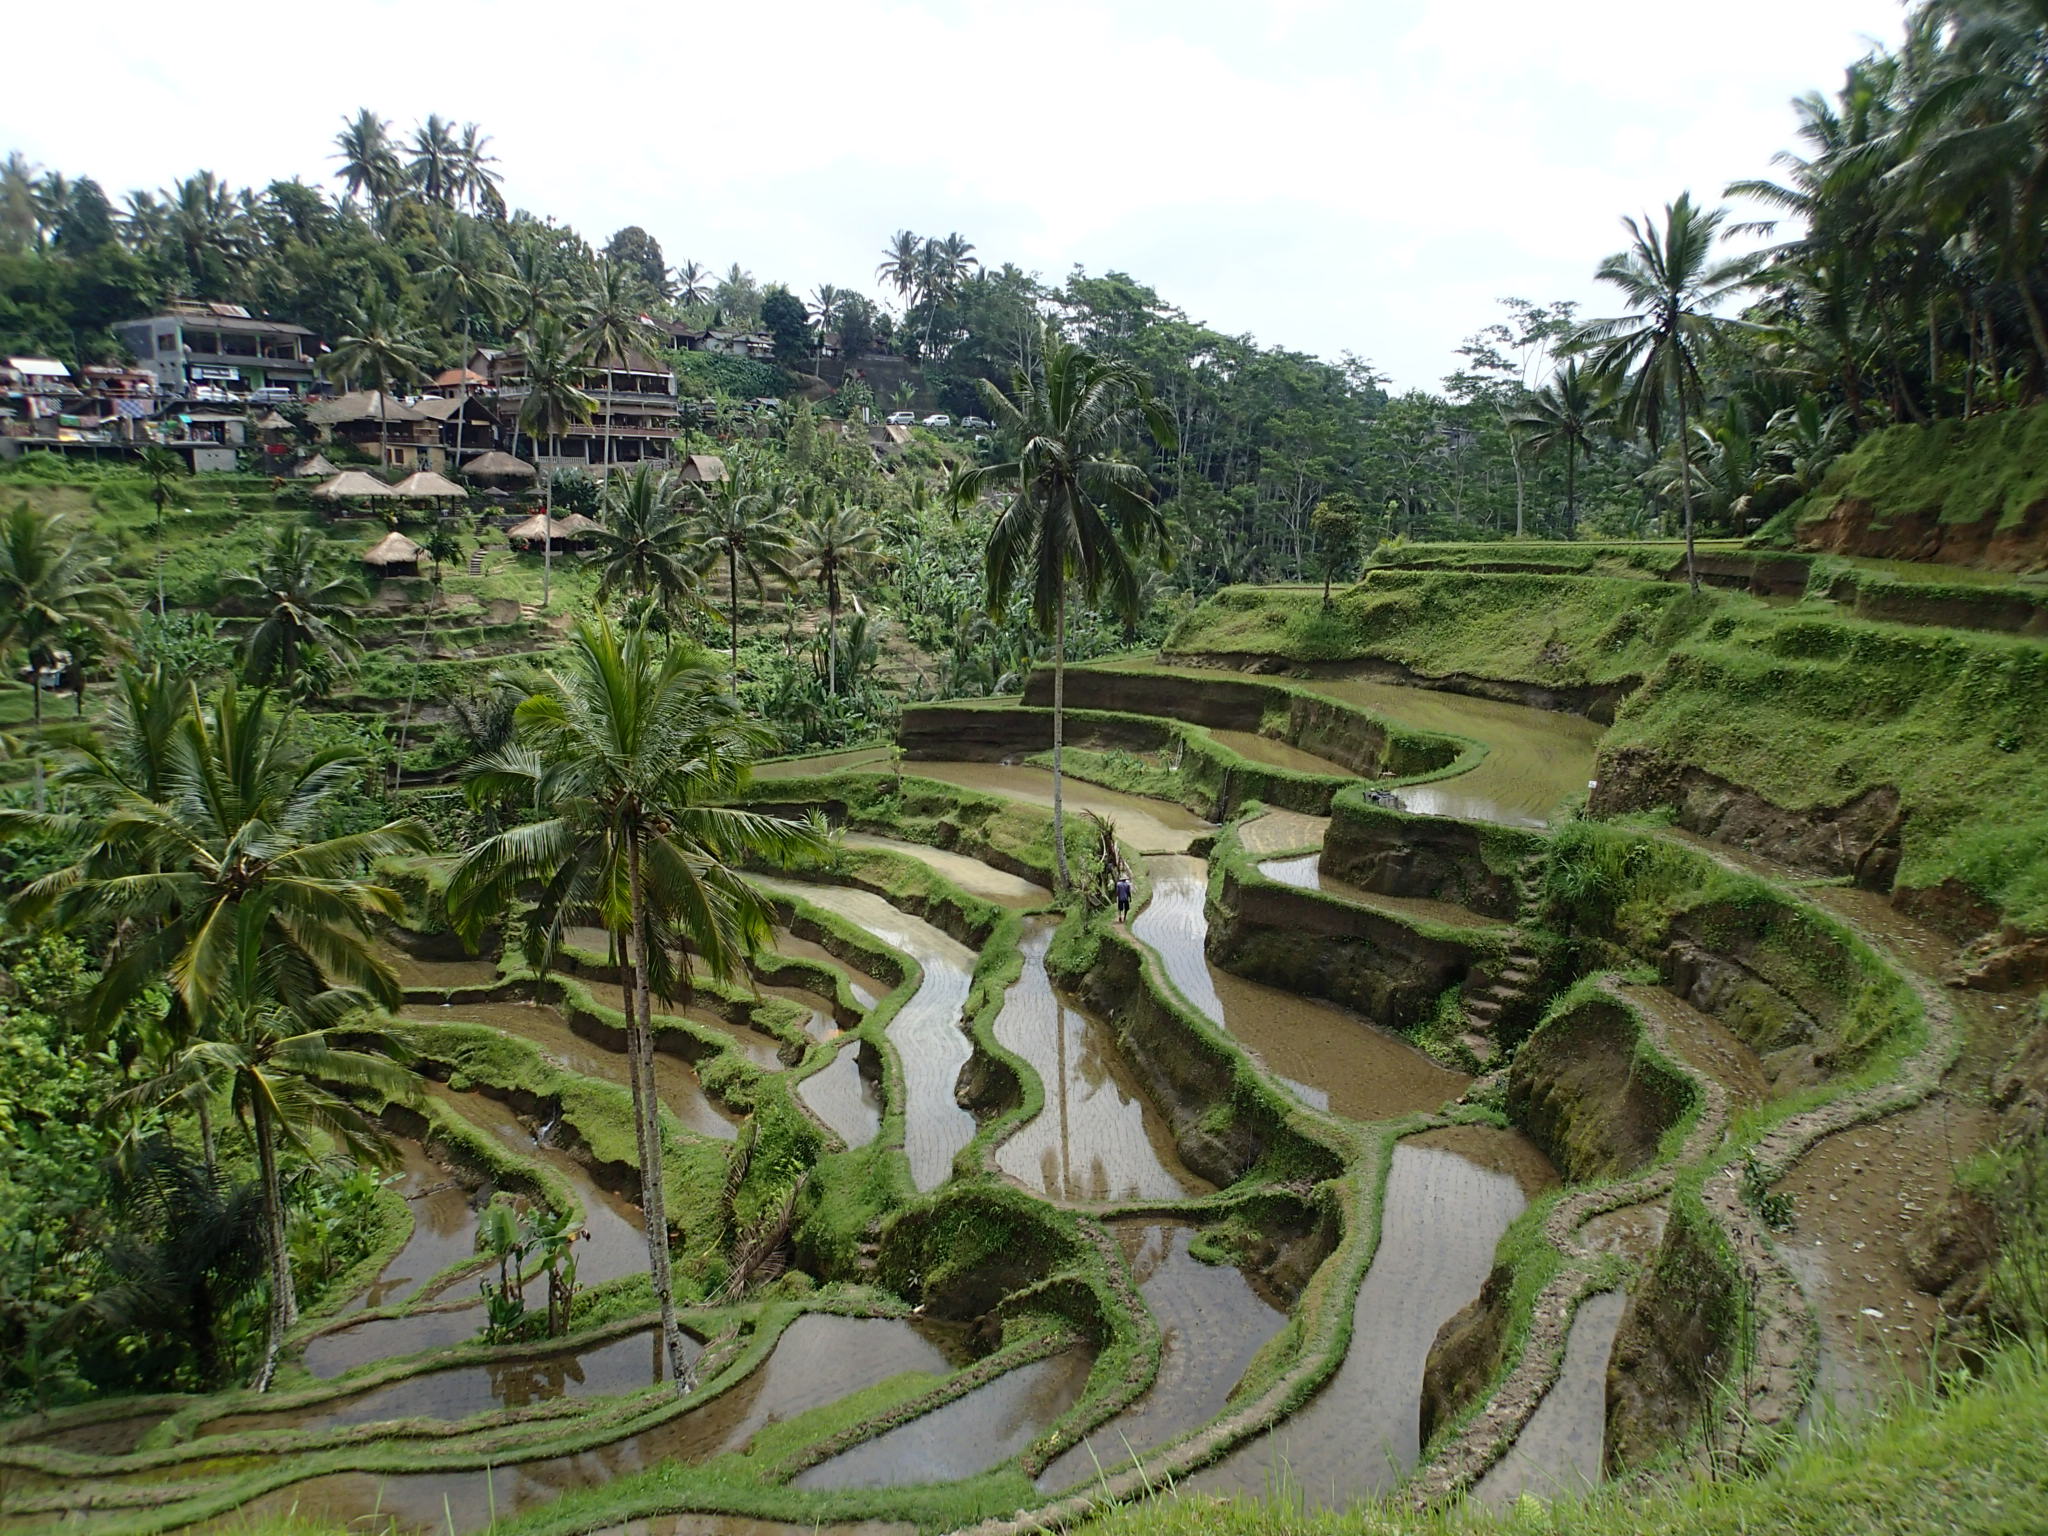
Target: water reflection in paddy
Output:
{"points": [[443, 1231], [970, 874], [1306, 873], [1276, 754], [818, 1360], [1334, 1059], [845, 1097], [1097, 1137], [1559, 1450], [969, 1435], [866, 989], [1212, 1321], [926, 1030], [1450, 1195]]}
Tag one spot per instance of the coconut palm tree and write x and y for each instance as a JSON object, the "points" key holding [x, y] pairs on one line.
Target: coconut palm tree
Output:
{"points": [[902, 262], [1565, 413], [530, 287], [745, 523], [832, 549], [383, 345], [219, 883], [53, 577], [1078, 518], [1670, 282], [693, 285], [466, 282], [435, 169], [307, 621], [611, 324], [554, 402], [474, 179], [628, 756], [369, 161], [648, 545]]}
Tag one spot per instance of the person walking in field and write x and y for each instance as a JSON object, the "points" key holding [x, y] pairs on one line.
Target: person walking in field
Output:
{"points": [[1123, 896]]}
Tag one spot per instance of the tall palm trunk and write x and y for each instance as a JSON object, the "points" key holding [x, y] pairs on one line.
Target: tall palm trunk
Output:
{"points": [[284, 1300], [647, 1118], [1571, 489], [547, 530], [1059, 723], [1692, 573], [832, 642], [384, 428], [732, 597]]}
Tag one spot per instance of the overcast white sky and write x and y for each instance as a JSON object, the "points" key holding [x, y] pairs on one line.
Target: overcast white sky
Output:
{"points": [[1368, 175]]}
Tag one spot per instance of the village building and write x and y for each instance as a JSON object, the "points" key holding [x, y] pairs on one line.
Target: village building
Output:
{"points": [[406, 437], [635, 411], [221, 353]]}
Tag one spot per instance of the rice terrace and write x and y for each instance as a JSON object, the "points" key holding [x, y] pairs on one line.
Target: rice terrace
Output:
{"points": [[638, 903]]}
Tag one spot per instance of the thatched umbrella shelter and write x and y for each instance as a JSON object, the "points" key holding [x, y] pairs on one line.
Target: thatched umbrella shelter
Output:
{"points": [[700, 468], [426, 485], [576, 527], [317, 467], [394, 555], [355, 485], [538, 530], [498, 466]]}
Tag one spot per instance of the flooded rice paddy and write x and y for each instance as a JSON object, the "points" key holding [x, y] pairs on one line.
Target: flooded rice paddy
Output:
{"points": [[846, 1094], [1148, 826], [1305, 873], [1559, 1450], [1097, 1138], [1335, 1060], [926, 1030], [970, 874]]}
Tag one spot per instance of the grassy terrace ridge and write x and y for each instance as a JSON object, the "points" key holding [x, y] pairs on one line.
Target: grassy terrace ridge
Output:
{"points": [[1808, 710]]}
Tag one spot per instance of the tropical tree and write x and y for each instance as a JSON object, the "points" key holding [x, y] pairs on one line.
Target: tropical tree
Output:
{"points": [[554, 401], [383, 345], [693, 285], [306, 622], [436, 165], [902, 262], [161, 467], [1078, 518], [53, 578], [369, 160], [475, 180], [1670, 282], [611, 324], [648, 545], [832, 549], [221, 884], [745, 523], [466, 282], [1566, 413], [628, 755]]}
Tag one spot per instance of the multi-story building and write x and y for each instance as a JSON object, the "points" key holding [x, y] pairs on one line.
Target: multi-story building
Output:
{"points": [[635, 400], [221, 353]]}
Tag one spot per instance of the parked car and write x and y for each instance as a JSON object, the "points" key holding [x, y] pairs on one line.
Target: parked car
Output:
{"points": [[938, 419], [976, 424], [903, 418], [270, 394]]}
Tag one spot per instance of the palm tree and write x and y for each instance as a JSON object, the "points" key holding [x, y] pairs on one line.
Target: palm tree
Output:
{"points": [[369, 162], [628, 754], [746, 523], [832, 549], [1078, 519], [611, 324], [307, 622], [553, 403], [161, 467], [382, 344], [52, 579], [466, 280], [436, 165], [693, 285], [530, 286], [648, 545], [1565, 412], [474, 178], [1670, 282], [219, 884], [902, 262], [209, 230]]}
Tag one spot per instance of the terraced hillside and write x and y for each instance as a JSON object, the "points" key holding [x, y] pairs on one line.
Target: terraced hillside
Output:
{"points": [[1419, 1137]]}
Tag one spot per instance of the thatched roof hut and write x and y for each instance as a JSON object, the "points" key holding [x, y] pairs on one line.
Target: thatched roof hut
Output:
{"points": [[538, 529], [497, 465], [394, 555], [318, 467], [352, 484], [425, 485], [700, 468], [576, 526]]}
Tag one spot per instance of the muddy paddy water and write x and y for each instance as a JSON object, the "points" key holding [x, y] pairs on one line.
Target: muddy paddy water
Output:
{"points": [[1334, 1059], [544, 1026], [845, 1097], [1450, 1195], [1097, 1138], [415, 974], [1305, 873], [970, 874], [616, 1246], [819, 1359], [866, 989], [443, 1231], [1559, 1450], [1212, 1321], [1277, 754], [1149, 826], [926, 1030]]}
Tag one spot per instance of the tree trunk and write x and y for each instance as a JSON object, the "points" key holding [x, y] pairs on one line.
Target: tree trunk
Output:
{"points": [[284, 1301], [384, 428], [547, 530], [832, 647], [206, 1151], [732, 598], [1571, 489], [1692, 573], [647, 1108], [1059, 721]]}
